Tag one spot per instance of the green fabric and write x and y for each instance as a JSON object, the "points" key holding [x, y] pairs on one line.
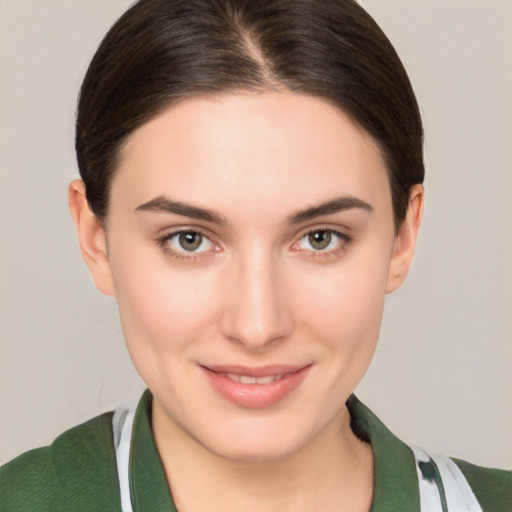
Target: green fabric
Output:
{"points": [[396, 483], [148, 483], [493, 487], [78, 471]]}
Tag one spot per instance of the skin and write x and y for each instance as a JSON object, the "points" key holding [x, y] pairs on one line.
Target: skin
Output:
{"points": [[256, 292]]}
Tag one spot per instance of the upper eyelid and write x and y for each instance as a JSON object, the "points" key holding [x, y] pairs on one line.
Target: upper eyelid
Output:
{"points": [[169, 232], [343, 233]]}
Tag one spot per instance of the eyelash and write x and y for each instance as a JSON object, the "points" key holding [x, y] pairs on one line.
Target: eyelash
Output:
{"points": [[191, 257], [186, 256], [343, 241]]}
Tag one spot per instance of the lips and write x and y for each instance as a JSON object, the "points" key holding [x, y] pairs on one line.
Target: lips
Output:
{"points": [[255, 387]]}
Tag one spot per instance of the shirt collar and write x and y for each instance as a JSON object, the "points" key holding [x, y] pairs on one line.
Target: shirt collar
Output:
{"points": [[395, 482], [148, 484], [395, 479]]}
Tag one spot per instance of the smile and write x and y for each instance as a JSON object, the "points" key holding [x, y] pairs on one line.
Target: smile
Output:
{"points": [[255, 387]]}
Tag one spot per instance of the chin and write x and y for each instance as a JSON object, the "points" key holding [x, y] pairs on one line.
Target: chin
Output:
{"points": [[262, 450], [257, 439]]}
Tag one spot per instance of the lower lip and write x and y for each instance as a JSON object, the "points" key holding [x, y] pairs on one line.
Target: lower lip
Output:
{"points": [[255, 396]]}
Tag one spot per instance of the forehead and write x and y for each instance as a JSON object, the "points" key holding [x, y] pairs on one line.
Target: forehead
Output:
{"points": [[278, 150]]}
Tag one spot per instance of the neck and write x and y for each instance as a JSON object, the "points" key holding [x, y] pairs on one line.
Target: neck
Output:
{"points": [[332, 472]]}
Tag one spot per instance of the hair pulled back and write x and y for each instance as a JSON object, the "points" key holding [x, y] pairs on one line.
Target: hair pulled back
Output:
{"points": [[162, 51]]}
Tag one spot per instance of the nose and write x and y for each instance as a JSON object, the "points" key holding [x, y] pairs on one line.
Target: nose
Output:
{"points": [[257, 312]]}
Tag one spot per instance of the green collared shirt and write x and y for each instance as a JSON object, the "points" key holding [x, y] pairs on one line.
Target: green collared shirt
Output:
{"points": [[78, 472]]}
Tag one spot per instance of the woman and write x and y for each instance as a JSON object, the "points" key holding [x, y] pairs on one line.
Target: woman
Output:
{"points": [[251, 190]]}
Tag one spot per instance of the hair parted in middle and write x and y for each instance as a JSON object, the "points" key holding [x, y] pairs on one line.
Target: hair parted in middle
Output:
{"points": [[163, 51]]}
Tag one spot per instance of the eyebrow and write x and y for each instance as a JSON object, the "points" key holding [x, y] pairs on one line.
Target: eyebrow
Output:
{"points": [[162, 204], [333, 206]]}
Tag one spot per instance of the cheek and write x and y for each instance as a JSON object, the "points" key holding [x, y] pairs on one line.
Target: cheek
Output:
{"points": [[343, 310], [348, 298], [347, 323], [163, 307]]}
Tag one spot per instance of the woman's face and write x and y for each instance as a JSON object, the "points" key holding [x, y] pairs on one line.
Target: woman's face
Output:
{"points": [[251, 243]]}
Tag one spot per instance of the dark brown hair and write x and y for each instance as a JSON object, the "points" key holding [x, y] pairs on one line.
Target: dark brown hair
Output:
{"points": [[161, 51]]}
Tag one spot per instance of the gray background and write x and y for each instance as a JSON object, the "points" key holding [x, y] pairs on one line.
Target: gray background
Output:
{"points": [[441, 377]]}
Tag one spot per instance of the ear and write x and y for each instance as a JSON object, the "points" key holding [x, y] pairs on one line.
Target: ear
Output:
{"points": [[406, 240], [91, 237]]}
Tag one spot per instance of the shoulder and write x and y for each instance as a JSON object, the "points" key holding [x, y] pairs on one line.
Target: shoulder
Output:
{"points": [[492, 487], [76, 472], [401, 476]]}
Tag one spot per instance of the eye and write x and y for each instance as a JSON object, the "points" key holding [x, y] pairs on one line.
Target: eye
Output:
{"points": [[188, 242], [322, 240]]}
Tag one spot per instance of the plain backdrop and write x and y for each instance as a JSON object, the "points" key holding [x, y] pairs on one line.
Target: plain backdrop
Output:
{"points": [[441, 377]]}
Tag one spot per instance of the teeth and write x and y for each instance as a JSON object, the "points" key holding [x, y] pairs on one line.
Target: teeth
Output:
{"points": [[246, 379], [266, 380]]}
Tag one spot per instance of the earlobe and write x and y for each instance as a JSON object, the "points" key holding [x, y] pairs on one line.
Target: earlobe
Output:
{"points": [[406, 240], [91, 237]]}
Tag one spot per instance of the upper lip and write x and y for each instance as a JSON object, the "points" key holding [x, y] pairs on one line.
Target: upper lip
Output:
{"points": [[259, 371]]}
